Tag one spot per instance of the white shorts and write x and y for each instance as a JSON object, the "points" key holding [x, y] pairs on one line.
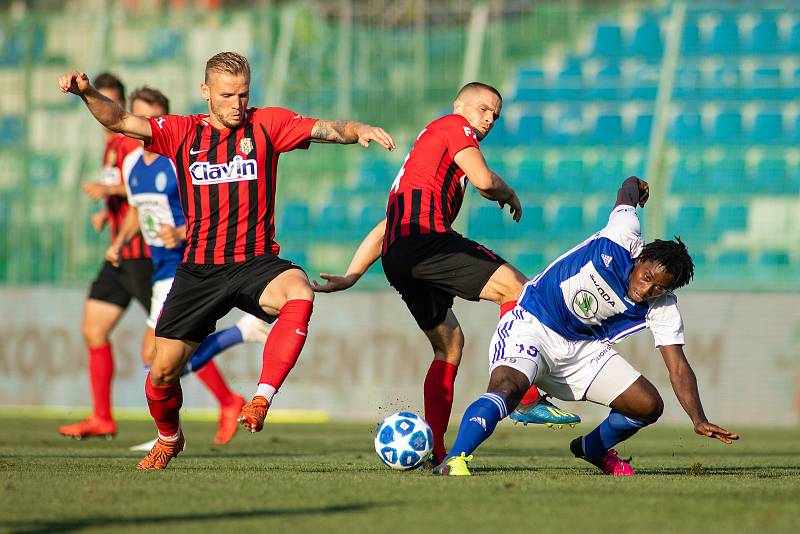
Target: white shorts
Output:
{"points": [[567, 370], [160, 291]]}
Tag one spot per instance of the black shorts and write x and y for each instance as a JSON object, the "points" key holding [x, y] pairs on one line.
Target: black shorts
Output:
{"points": [[429, 270], [118, 285], [202, 294]]}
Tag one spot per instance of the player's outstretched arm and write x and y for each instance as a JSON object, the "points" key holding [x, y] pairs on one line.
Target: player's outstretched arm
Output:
{"points": [[349, 132], [684, 383], [368, 252], [633, 192], [488, 184], [106, 111]]}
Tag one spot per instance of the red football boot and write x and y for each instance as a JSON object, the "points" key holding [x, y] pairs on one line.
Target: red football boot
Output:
{"points": [[91, 427]]}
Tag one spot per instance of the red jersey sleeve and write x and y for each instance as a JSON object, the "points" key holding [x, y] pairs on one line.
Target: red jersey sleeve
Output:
{"points": [[286, 129], [459, 135], [166, 134]]}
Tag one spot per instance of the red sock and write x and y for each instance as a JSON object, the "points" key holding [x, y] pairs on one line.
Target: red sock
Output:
{"points": [[165, 404], [285, 341], [211, 377], [101, 370], [530, 396], [439, 384], [507, 306]]}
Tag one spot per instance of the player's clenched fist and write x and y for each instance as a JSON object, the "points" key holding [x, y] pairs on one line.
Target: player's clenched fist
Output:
{"points": [[73, 82]]}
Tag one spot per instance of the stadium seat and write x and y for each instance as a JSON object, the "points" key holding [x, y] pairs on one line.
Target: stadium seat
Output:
{"points": [[370, 215], [772, 264], [44, 170], [792, 43], [569, 128], [295, 218], [640, 134], [730, 218], [606, 84], [332, 222], [689, 222], [530, 177], [600, 219], [12, 132], [530, 130], [567, 224], [770, 177], [642, 83], [608, 41], [766, 84], [688, 83], [530, 263], [567, 176], [767, 129], [724, 83], [724, 38], [375, 175], [606, 175], [531, 227], [733, 265], [487, 222], [646, 40], [689, 176], [728, 176], [690, 39], [763, 38], [727, 127], [607, 130], [687, 128], [569, 84]]}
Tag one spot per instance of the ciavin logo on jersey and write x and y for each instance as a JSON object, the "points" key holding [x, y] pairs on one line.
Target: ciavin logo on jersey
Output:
{"points": [[237, 170]]}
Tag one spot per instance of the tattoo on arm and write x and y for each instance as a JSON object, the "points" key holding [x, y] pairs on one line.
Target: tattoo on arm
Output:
{"points": [[341, 132]]}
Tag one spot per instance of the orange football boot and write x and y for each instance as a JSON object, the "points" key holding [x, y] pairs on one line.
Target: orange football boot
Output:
{"points": [[253, 414], [228, 420], [91, 427], [161, 453]]}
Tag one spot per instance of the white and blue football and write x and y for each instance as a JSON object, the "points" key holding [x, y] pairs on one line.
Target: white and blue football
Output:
{"points": [[403, 441]]}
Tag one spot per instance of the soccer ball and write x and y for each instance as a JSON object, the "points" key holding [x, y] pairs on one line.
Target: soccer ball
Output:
{"points": [[403, 441]]}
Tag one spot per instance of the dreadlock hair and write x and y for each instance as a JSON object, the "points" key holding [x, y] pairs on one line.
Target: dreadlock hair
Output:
{"points": [[675, 258]]}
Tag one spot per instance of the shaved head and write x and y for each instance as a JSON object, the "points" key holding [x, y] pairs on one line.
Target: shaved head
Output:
{"points": [[480, 104]]}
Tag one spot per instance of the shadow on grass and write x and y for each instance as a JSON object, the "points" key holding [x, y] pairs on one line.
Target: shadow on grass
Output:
{"points": [[755, 471], [74, 525]]}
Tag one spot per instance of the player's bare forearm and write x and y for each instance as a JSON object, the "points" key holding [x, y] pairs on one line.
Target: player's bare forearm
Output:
{"points": [[129, 227], [367, 253], [116, 191], [684, 382], [345, 132]]}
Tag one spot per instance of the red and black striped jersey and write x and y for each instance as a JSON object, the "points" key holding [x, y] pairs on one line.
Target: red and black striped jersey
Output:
{"points": [[427, 193], [117, 148], [227, 179]]}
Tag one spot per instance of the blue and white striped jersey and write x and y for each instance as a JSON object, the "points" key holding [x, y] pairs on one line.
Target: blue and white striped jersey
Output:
{"points": [[583, 294], [153, 190]]}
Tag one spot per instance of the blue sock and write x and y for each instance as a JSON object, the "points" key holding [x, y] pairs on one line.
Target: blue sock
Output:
{"points": [[478, 423], [614, 429], [213, 345]]}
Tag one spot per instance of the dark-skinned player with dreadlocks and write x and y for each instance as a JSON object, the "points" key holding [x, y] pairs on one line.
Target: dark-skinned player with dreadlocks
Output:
{"points": [[562, 332]]}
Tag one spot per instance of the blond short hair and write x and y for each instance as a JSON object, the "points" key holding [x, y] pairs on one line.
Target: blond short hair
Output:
{"points": [[228, 63]]}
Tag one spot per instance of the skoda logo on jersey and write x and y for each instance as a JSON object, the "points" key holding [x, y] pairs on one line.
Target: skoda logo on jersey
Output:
{"points": [[584, 304], [161, 182], [246, 146], [238, 169]]}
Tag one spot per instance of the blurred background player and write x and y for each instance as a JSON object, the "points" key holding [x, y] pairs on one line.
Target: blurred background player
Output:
{"points": [[226, 164], [114, 286], [560, 337], [155, 211], [429, 263]]}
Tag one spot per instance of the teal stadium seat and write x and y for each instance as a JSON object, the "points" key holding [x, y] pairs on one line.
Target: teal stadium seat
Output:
{"points": [[606, 175], [488, 222], [643, 83], [646, 40], [530, 263], [690, 39], [375, 175], [730, 218], [724, 38], [766, 84], [732, 265], [600, 219], [12, 132], [44, 170], [773, 264], [607, 130], [689, 176], [792, 43], [569, 84], [687, 128], [727, 128], [763, 37], [569, 128], [608, 41], [529, 177], [688, 83], [728, 176], [567, 224], [640, 134], [531, 228], [725, 83], [767, 129], [771, 178], [566, 177], [530, 131], [294, 221], [332, 223], [689, 222], [606, 85], [369, 216]]}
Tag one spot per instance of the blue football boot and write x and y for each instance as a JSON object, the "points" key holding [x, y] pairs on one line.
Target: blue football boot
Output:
{"points": [[544, 412]]}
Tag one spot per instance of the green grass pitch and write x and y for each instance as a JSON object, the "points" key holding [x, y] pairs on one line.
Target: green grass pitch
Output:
{"points": [[326, 478]]}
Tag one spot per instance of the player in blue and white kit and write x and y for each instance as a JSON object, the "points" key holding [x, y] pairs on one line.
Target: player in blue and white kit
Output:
{"points": [[155, 211], [562, 332]]}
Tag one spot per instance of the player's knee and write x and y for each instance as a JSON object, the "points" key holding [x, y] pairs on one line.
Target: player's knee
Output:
{"points": [[94, 334], [164, 374], [300, 292], [508, 385], [651, 409]]}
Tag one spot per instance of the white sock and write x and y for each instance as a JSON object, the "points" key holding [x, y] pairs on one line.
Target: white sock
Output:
{"points": [[266, 391], [170, 438]]}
